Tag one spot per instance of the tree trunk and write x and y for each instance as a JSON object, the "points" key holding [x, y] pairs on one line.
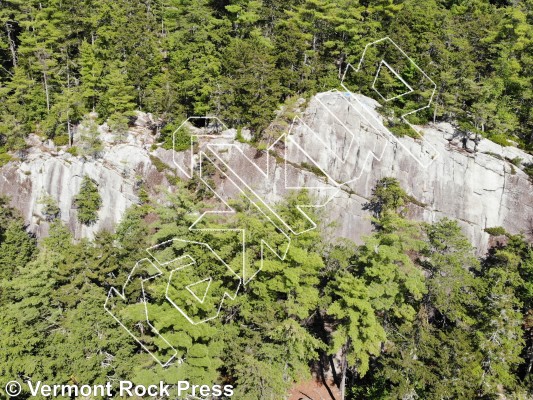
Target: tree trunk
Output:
{"points": [[530, 359], [343, 377], [45, 82], [334, 371], [70, 138], [344, 369], [11, 44]]}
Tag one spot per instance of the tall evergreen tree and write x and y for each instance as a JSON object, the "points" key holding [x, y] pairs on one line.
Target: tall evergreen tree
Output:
{"points": [[88, 201], [118, 98]]}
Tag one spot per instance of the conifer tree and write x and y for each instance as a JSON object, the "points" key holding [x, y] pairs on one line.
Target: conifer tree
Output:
{"points": [[28, 318], [194, 40], [118, 99], [504, 321], [90, 136], [90, 75], [250, 84], [88, 201], [440, 346], [17, 247]]}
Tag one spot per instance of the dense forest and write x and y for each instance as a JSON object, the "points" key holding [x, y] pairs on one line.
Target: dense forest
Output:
{"points": [[60, 59], [411, 313]]}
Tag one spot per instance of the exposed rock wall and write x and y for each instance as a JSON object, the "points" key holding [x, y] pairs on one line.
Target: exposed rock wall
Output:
{"points": [[336, 136], [481, 189], [342, 138], [47, 171]]}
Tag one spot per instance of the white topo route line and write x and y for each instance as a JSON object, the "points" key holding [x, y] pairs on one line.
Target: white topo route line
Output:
{"points": [[213, 149]]}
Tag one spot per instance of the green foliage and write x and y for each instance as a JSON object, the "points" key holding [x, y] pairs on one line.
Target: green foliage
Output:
{"points": [[517, 161], [50, 209], [360, 334], [16, 247], [312, 168], [426, 353], [241, 60], [53, 327], [87, 201], [61, 140], [73, 151], [528, 169], [238, 137], [4, 158], [144, 196], [496, 231], [90, 144], [274, 313], [387, 195], [500, 139], [118, 124], [90, 73], [250, 88], [117, 98], [176, 137], [501, 331], [159, 165], [400, 128], [411, 311]]}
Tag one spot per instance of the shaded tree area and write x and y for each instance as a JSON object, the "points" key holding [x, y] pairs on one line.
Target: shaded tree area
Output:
{"points": [[60, 60], [411, 312], [460, 325]]}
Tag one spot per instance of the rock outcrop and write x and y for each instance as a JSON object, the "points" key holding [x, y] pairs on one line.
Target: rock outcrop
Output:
{"points": [[339, 145], [46, 170], [481, 189]]}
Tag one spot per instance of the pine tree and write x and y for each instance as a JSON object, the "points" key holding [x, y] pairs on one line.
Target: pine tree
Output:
{"points": [[88, 201], [17, 248], [194, 40], [25, 104], [269, 325], [49, 207], [27, 320], [127, 35], [41, 44], [387, 196], [91, 144], [9, 17], [437, 356], [90, 74], [117, 99], [358, 333], [250, 88], [504, 327]]}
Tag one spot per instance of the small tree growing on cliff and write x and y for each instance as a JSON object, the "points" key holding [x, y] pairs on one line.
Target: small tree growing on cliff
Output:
{"points": [[88, 202], [50, 208], [91, 145], [387, 195]]}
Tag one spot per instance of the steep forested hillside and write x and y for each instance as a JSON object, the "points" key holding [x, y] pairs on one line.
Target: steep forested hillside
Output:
{"points": [[60, 59], [410, 313]]}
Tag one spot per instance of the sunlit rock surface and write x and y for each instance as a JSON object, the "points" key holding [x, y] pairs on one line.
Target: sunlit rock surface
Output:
{"points": [[338, 149]]}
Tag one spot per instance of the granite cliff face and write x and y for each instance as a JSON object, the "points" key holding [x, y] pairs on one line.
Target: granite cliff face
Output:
{"points": [[47, 170], [338, 146], [481, 189]]}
